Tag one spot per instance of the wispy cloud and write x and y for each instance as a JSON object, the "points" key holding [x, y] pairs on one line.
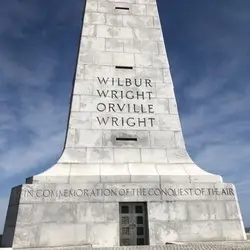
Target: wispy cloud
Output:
{"points": [[217, 123], [31, 119], [38, 138]]}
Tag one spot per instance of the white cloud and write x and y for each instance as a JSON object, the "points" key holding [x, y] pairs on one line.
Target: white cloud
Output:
{"points": [[35, 69], [38, 137], [216, 128], [32, 122]]}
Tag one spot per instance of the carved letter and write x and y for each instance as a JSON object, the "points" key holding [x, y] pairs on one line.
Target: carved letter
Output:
{"points": [[102, 93], [103, 120], [101, 107], [121, 107], [152, 121], [111, 107], [151, 108], [114, 121], [103, 80], [114, 94], [128, 82], [148, 81]]}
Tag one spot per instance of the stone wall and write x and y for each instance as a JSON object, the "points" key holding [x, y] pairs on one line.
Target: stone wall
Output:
{"points": [[88, 214]]}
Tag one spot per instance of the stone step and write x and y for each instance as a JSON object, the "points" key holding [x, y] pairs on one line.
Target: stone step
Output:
{"points": [[225, 245]]}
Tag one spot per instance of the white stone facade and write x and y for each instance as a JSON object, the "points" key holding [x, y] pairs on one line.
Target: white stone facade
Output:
{"points": [[124, 144], [110, 103]]}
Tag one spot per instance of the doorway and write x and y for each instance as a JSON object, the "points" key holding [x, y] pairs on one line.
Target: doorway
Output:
{"points": [[133, 224]]}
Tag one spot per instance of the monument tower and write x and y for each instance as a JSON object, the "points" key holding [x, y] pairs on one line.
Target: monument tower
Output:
{"points": [[124, 177]]}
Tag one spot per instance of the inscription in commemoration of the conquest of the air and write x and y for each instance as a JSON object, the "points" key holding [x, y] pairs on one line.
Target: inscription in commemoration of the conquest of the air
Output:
{"points": [[125, 103]]}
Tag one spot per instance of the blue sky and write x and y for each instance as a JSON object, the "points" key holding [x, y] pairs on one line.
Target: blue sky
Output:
{"points": [[208, 48]]}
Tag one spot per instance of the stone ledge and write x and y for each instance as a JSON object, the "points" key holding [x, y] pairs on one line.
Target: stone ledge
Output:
{"points": [[220, 245]]}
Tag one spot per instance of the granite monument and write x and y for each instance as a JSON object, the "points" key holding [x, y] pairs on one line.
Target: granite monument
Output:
{"points": [[124, 177]]}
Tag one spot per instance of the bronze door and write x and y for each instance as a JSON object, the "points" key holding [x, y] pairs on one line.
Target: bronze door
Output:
{"points": [[133, 224]]}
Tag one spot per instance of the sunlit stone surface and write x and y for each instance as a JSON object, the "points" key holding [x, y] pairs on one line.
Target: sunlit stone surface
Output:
{"points": [[124, 144]]}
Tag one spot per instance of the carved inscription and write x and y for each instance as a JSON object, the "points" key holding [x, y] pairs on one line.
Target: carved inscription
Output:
{"points": [[130, 97], [127, 192]]}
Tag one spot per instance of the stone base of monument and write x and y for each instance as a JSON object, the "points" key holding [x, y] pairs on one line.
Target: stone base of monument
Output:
{"points": [[56, 215]]}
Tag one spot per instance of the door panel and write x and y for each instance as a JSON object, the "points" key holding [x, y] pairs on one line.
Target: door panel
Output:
{"points": [[133, 224]]}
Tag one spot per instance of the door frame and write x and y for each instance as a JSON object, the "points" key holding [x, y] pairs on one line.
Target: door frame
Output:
{"points": [[146, 224]]}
